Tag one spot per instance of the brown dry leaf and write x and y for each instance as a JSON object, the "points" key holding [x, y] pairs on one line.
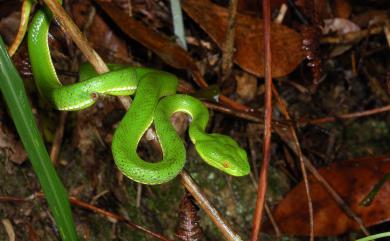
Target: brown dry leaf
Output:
{"points": [[353, 180], [342, 8], [246, 86], [13, 147], [285, 42], [166, 49], [99, 33]]}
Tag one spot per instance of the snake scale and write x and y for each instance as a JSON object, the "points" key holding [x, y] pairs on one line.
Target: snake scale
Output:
{"points": [[155, 101]]}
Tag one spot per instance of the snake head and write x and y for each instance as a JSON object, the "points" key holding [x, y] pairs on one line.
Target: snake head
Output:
{"points": [[224, 153]]}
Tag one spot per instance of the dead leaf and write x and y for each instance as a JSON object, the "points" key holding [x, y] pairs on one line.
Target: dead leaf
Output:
{"points": [[353, 180], [99, 33], [342, 8], [166, 49], [285, 42], [12, 146]]}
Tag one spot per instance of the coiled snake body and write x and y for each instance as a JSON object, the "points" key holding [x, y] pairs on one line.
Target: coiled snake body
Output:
{"points": [[155, 100]]}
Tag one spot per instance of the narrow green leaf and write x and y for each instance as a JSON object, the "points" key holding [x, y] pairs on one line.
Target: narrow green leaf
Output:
{"points": [[13, 91]]}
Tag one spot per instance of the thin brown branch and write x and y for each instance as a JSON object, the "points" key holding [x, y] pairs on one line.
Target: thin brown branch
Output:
{"points": [[268, 211], [109, 215], [233, 112], [222, 225], [283, 108], [262, 187], [347, 116], [76, 35], [115, 217], [273, 222], [352, 37], [56, 147], [288, 139], [22, 28], [228, 49]]}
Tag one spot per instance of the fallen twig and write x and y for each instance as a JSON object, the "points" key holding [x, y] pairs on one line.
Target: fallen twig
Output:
{"points": [[109, 215], [210, 210], [263, 174]]}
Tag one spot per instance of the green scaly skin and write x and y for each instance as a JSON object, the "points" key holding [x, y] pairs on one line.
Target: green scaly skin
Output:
{"points": [[155, 100]]}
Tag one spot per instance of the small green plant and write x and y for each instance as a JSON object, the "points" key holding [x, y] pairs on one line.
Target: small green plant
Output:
{"points": [[11, 86]]}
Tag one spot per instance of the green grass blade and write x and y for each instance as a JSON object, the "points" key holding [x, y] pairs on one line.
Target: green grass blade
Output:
{"points": [[11, 86], [375, 236]]}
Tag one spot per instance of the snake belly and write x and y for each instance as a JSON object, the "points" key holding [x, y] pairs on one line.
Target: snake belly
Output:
{"points": [[155, 100]]}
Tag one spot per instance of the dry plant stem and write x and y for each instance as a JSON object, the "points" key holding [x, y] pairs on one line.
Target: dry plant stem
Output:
{"points": [[21, 31], [283, 108], [267, 210], [387, 32], [210, 210], [139, 195], [263, 174], [55, 149], [233, 112], [335, 195], [115, 217], [272, 220], [228, 50], [9, 229], [77, 36], [347, 116], [352, 37], [111, 216], [290, 143]]}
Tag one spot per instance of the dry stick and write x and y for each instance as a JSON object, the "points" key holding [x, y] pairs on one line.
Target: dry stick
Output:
{"points": [[240, 114], [290, 143], [268, 212], [115, 217], [22, 29], [77, 36], [57, 142], [109, 215], [211, 211], [283, 108], [228, 49], [80, 40], [262, 187], [55, 149], [347, 116], [352, 37], [271, 217]]}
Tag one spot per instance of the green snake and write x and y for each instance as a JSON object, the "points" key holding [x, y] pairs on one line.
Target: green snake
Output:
{"points": [[155, 101]]}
